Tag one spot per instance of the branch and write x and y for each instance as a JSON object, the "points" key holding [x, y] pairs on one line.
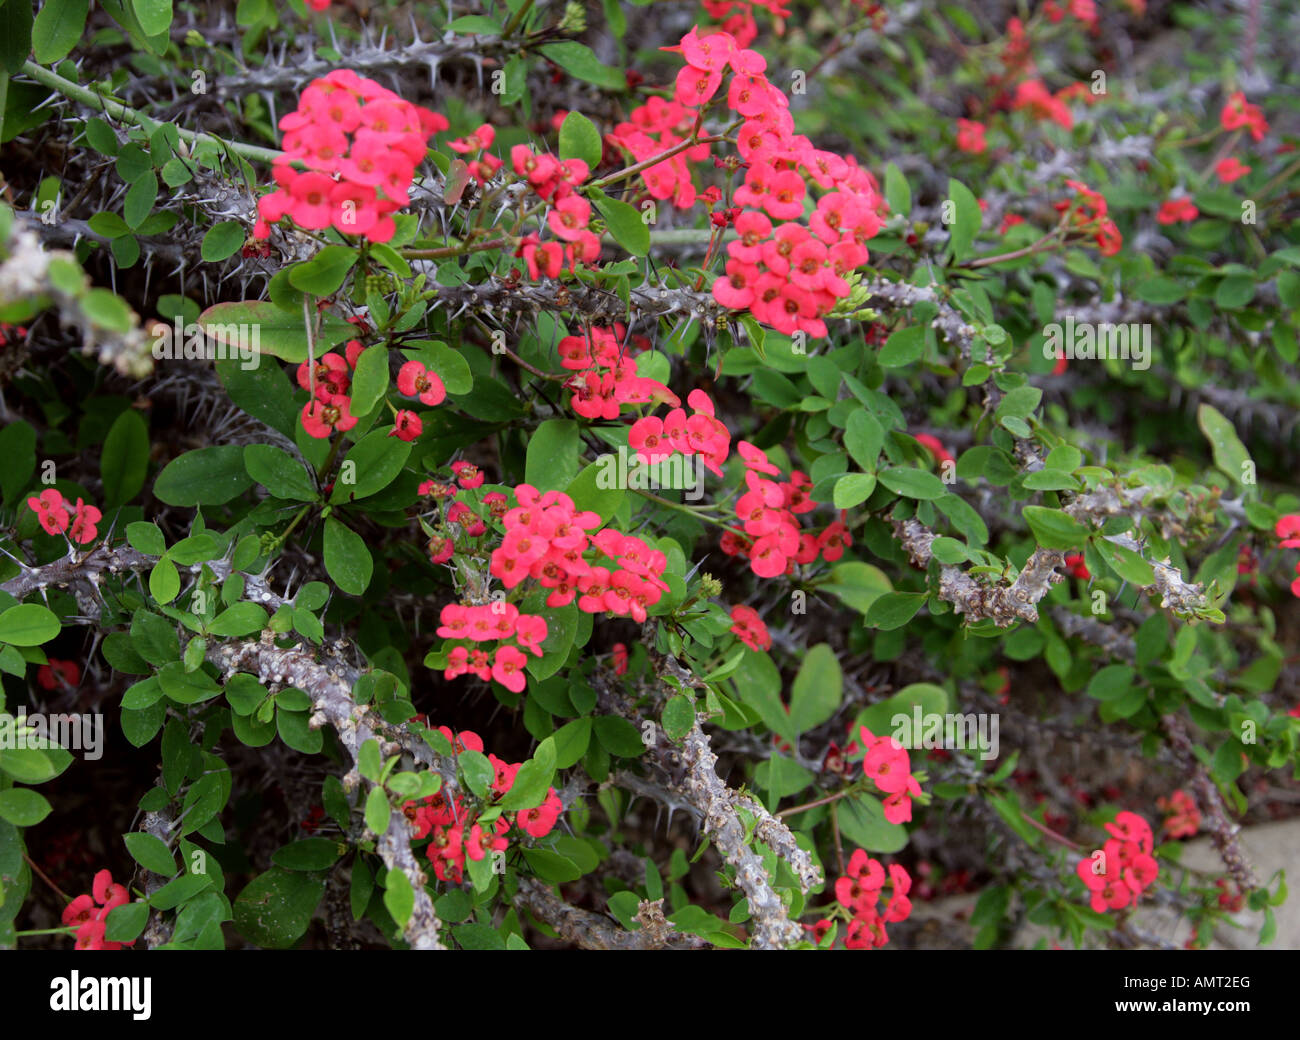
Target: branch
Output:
{"points": [[593, 931]]}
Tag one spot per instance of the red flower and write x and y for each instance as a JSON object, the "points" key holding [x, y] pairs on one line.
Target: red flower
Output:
{"points": [[407, 426], [1173, 211], [1287, 528], [90, 912], [1231, 169], [320, 418], [415, 379], [970, 136], [58, 673], [51, 510], [749, 628], [1076, 567], [1238, 112]]}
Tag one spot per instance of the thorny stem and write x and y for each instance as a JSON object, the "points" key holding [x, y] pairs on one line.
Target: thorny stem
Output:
{"points": [[655, 160], [816, 802], [122, 113], [443, 252], [688, 510]]}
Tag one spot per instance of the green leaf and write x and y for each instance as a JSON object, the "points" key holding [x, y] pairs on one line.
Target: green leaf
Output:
{"points": [[579, 139], [15, 37], [399, 897], [23, 807], [269, 330], [370, 466], [155, 15], [554, 454], [533, 781], [187, 687], [1126, 563], [240, 619], [151, 853], [571, 742], [324, 273], [914, 483], [377, 810], [28, 624], [862, 820], [897, 193], [618, 736], [1054, 528], [818, 689], [678, 717], [893, 610], [140, 199], [1111, 682], [279, 472], [587, 491], [904, 347], [205, 477], [966, 218], [125, 458], [275, 908], [164, 581], [479, 25], [625, 223], [1230, 455], [579, 60], [347, 559], [221, 241], [863, 439], [57, 29], [853, 489], [125, 923], [370, 381], [307, 854]]}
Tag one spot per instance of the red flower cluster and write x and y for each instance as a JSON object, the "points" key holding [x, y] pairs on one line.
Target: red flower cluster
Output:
{"points": [[485, 164], [58, 673], [1033, 95], [1184, 818], [442, 546], [556, 181], [90, 912], [1123, 868], [749, 628], [768, 512], [606, 379], [702, 434], [859, 892], [970, 136], [492, 622], [56, 515], [887, 764], [737, 16], [329, 381], [1084, 10], [547, 539], [360, 144], [1231, 169], [1174, 211], [1239, 112], [1089, 217], [1287, 528], [659, 126], [452, 828], [787, 274]]}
